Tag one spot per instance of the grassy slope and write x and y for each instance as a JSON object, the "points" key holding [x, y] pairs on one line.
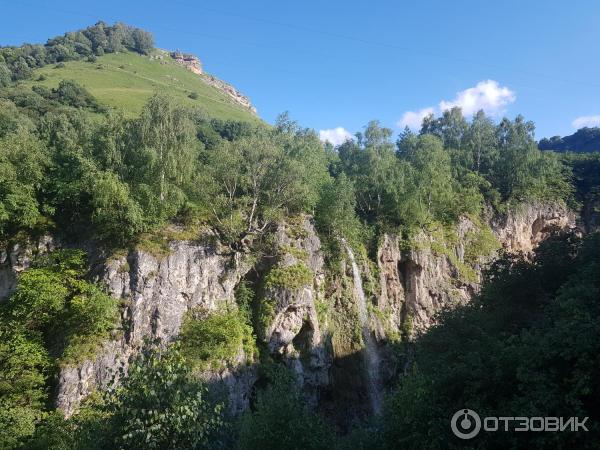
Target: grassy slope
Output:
{"points": [[126, 80]]}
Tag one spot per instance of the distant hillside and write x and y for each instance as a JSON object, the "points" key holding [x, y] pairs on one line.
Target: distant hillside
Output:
{"points": [[120, 67], [126, 80], [584, 140]]}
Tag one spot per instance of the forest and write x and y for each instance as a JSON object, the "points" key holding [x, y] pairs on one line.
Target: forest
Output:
{"points": [[74, 168]]}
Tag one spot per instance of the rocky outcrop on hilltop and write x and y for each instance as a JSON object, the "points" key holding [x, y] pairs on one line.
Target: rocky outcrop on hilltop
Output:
{"points": [[230, 91], [189, 61], [193, 64]]}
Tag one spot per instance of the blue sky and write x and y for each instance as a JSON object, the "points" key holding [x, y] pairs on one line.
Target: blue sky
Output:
{"points": [[342, 63]]}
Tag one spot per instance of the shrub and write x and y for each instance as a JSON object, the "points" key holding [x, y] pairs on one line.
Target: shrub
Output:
{"points": [[211, 342], [289, 277]]}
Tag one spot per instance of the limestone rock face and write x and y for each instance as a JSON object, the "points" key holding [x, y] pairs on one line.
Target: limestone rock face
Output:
{"points": [[294, 333], [417, 283], [522, 230], [193, 64], [190, 62], [158, 292], [17, 257], [230, 91], [405, 289]]}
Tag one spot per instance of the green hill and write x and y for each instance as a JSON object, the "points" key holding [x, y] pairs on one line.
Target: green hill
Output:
{"points": [[126, 80]]}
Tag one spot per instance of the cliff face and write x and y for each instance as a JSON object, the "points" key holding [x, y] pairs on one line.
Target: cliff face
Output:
{"points": [[190, 62], [310, 319], [417, 283], [294, 333], [157, 291], [16, 257], [193, 64], [522, 230], [230, 91]]}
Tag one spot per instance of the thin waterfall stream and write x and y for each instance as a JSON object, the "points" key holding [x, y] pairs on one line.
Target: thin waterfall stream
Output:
{"points": [[371, 354]]}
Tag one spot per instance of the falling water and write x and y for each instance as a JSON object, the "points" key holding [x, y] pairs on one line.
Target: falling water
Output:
{"points": [[371, 354]]}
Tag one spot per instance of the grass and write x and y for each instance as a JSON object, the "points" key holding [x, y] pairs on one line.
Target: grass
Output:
{"points": [[126, 80]]}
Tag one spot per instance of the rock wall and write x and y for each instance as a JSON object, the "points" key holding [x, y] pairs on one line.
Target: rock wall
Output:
{"points": [[415, 284], [158, 292], [294, 334], [405, 288], [230, 91], [193, 64], [523, 229], [17, 256], [190, 62]]}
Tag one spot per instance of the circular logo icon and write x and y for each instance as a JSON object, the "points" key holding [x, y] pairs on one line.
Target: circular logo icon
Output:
{"points": [[465, 423]]}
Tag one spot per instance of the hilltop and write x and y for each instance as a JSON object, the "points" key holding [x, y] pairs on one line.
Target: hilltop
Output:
{"points": [[584, 140], [126, 81], [121, 68]]}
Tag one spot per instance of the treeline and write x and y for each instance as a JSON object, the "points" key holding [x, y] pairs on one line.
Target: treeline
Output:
{"points": [[450, 168], [18, 63], [584, 140], [116, 178], [119, 178]]}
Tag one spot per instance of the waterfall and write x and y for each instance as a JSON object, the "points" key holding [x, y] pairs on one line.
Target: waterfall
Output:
{"points": [[371, 354]]}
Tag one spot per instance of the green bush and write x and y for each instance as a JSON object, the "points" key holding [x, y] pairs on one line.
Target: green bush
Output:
{"points": [[289, 277], [53, 311], [216, 340]]}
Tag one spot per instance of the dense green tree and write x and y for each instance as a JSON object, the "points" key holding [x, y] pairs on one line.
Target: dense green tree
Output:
{"points": [[53, 311], [167, 150], [143, 41], [24, 364], [116, 216], [433, 186], [336, 211], [23, 161], [282, 420], [255, 180], [480, 142], [159, 407]]}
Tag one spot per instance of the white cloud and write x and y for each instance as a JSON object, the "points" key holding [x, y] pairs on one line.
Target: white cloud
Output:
{"points": [[335, 136], [487, 95], [586, 121], [413, 119]]}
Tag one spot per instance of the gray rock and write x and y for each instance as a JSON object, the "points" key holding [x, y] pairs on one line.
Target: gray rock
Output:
{"points": [[158, 292]]}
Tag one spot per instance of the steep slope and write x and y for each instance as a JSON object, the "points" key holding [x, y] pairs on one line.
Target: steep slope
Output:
{"points": [[313, 314], [126, 80]]}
